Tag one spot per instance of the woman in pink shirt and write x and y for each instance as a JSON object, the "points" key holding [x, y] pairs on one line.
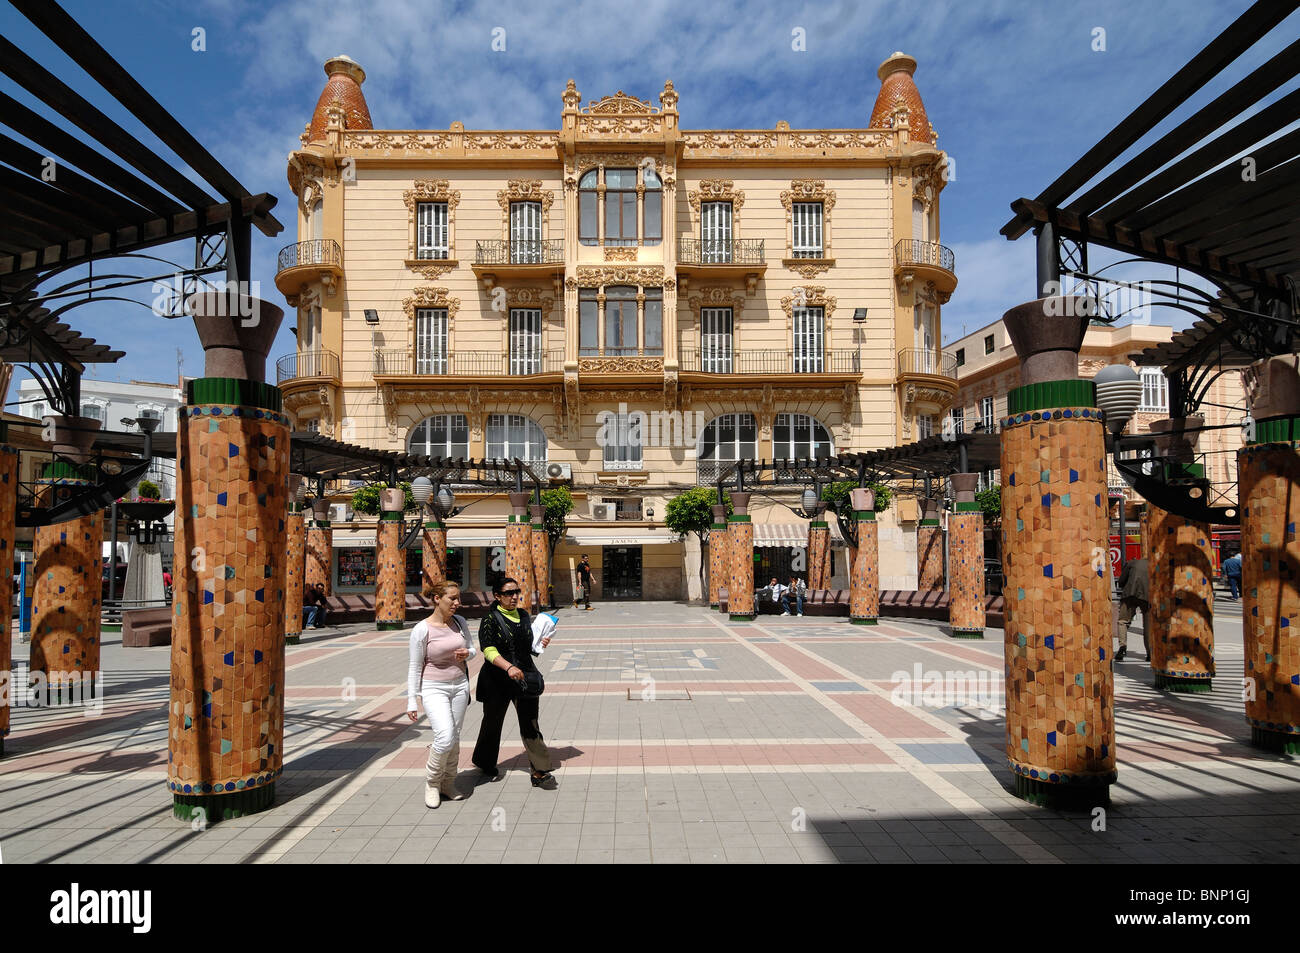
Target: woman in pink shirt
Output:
{"points": [[440, 647]]}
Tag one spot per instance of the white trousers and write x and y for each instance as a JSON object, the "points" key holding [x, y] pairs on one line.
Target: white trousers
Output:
{"points": [[445, 704]]}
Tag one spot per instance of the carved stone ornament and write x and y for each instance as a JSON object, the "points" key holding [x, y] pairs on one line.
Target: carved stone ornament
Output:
{"points": [[529, 298], [525, 190], [621, 365], [808, 190], [388, 397], [475, 400], [649, 276], [813, 296], [429, 296], [809, 268], [717, 190], [619, 104], [572, 407], [429, 190], [847, 400], [927, 180], [620, 254], [766, 408], [670, 390], [610, 160], [430, 270]]}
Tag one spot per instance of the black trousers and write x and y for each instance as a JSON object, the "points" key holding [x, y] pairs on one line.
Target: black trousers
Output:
{"points": [[489, 733]]}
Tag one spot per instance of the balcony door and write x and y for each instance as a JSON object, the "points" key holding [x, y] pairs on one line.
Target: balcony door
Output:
{"points": [[715, 233], [923, 337], [431, 341], [526, 233], [809, 349], [620, 321], [716, 340], [525, 341]]}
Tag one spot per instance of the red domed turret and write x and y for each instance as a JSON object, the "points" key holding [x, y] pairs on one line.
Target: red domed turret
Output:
{"points": [[897, 89], [344, 86]]}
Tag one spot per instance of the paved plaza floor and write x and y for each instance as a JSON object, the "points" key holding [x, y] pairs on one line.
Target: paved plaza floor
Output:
{"points": [[679, 737]]}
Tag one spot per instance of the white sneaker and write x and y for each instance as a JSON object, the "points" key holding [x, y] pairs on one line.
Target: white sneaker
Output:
{"points": [[785, 613], [801, 615]]}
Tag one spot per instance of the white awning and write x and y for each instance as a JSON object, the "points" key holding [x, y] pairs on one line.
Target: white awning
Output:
{"points": [[590, 538], [353, 542], [476, 537], [784, 535]]}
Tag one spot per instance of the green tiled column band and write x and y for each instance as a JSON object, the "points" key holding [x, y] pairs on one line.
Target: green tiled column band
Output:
{"points": [[868, 515], [818, 524], [1076, 393], [717, 526], [233, 391], [1277, 430], [966, 507], [392, 517], [740, 518], [517, 518], [435, 525], [928, 523]]}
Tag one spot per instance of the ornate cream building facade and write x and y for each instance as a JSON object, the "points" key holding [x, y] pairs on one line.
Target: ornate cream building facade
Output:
{"points": [[538, 294]]}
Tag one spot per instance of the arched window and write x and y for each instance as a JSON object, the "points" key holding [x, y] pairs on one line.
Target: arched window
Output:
{"points": [[654, 216], [93, 411], [800, 437], [514, 435], [589, 208], [443, 435], [725, 440]]}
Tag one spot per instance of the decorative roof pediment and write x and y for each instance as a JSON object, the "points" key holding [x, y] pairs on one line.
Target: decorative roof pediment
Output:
{"points": [[619, 104]]}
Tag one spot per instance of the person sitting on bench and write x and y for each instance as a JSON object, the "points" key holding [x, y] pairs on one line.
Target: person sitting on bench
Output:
{"points": [[797, 589], [316, 608]]}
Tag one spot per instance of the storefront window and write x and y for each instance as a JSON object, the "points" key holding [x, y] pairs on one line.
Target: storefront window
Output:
{"points": [[356, 568]]}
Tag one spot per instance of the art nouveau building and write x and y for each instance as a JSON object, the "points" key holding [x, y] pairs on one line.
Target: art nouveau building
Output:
{"points": [[753, 293]]}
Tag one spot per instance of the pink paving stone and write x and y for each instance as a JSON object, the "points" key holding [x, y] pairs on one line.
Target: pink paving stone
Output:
{"points": [[89, 762], [886, 717], [798, 662]]}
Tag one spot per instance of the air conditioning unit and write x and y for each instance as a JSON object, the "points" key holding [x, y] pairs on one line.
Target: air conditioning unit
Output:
{"points": [[559, 471], [604, 511], [340, 513]]}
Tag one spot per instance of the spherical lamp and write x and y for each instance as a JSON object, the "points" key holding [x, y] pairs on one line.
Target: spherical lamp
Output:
{"points": [[421, 490], [1119, 392]]}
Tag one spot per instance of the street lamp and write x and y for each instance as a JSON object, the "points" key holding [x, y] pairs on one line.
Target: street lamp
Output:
{"points": [[421, 490], [1119, 392]]}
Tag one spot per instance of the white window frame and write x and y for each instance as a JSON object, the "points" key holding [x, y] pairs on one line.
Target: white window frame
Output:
{"points": [[806, 224], [622, 453], [717, 340], [99, 410], [712, 452], [958, 420], [525, 331], [986, 412], [526, 233], [818, 448], [447, 448], [716, 233], [809, 351], [1155, 391], [431, 341], [515, 435], [924, 426], [432, 231]]}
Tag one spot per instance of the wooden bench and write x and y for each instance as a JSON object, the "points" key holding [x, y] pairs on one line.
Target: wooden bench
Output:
{"points": [[143, 628], [896, 603]]}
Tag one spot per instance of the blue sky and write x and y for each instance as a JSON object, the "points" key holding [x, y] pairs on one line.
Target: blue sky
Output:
{"points": [[1015, 90]]}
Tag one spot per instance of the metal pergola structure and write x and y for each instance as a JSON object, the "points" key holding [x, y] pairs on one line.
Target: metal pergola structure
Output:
{"points": [[78, 189], [1216, 195]]}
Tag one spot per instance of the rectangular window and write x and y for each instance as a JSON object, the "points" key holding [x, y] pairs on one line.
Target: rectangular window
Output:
{"points": [[623, 439], [959, 420], [526, 233], [986, 412], [620, 206], [620, 325], [807, 238], [924, 427], [431, 237], [988, 344], [654, 321], [808, 347], [1155, 391], [961, 356], [715, 232], [525, 341], [93, 411], [654, 216], [588, 217], [715, 340], [588, 323], [431, 341]]}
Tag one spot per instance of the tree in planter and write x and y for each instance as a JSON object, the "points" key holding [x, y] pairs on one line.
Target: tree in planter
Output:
{"points": [[990, 503], [366, 499], [559, 504], [839, 502], [148, 490], [692, 512]]}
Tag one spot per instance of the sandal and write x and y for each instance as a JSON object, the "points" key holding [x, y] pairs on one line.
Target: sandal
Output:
{"points": [[545, 781]]}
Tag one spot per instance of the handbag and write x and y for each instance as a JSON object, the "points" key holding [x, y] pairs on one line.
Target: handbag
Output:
{"points": [[533, 685]]}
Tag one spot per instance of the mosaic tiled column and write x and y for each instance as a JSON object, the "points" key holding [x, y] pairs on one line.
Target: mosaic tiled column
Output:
{"points": [[740, 556], [390, 562], [8, 507], [295, 548], [1059, 682], [226, 715], [541, 556], [864, 579], [718, 563], [434, 558], [66, 597], [1268, 473], [320, 548], [519, 541], [965, 560], [819, 555], [929, 548]]}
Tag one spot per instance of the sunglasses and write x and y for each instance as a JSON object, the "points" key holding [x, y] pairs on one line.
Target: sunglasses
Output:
{"points": [[508, 592]]}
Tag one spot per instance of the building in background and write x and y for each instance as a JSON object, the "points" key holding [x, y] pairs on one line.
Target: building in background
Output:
{"points": [[771, 293]]}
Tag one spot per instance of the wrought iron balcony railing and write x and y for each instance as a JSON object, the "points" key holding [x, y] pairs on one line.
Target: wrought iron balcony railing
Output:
{"points": [[526, 252], [403, 361], [740, 251], [911, 251], [317, 363], [917, 360], [317, 251], [723, 360]]}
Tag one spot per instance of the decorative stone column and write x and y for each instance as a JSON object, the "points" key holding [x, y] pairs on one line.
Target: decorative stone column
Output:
{"points": [[320, 548], [740, 554], [1268, 472], [819, 553], [390, 562], [8, 511], [295, 549], [434, 558], [1059, 682], [1180, 626], [226, 716], [965, 560], [66, 596], [719, 566], [541, 557], [519, 543], [929, 548], [864, 578]]}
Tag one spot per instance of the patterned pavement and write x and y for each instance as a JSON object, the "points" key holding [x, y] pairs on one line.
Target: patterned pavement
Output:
{"points": [[679, 738]]}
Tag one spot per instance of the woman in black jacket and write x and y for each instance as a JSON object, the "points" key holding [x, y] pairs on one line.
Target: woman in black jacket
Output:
{"points": [[506, 638]]}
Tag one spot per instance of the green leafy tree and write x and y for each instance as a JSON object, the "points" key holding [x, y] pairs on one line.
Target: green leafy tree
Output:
{"points": [[559, 504], [366, 499], [148, 490], [839, 502], [990, 502], [692, 512]]}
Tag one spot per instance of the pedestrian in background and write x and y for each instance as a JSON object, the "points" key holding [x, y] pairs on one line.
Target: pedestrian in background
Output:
{"points": [[584, 583], [1232, 572], [1134, 595]]}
